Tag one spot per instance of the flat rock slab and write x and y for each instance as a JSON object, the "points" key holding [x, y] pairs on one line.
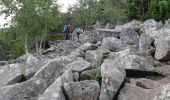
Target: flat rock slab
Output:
{"points": [[28, 90], [83, 90]]}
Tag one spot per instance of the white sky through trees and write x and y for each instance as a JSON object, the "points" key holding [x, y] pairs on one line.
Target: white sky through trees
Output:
{"points": [[64, 4]]}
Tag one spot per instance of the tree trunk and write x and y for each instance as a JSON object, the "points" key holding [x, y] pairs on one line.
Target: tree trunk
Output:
{"points": [[26, 43]]}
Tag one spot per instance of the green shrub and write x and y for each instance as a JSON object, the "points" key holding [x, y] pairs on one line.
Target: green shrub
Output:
{"points": [[97, 76]]}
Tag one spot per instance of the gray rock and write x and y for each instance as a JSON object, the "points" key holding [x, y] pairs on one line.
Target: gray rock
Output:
{"points": [[112, 77], [121, 54], [32, 66], [83, 90], [162, 48], [87, 36], [28, 90], [135, 62], [163, 70], [145, 44], [147, 83], [161, 93], [49, 72], [113, 44], [78, 65], [55, 90], [132, 92], [129, 36], [11, 74], [134, 24], [87, 46], [164, 81], [103, 50], [99, 34], [94, 57], [77, 53], [151, 25], [167, 24], [98, 43]]}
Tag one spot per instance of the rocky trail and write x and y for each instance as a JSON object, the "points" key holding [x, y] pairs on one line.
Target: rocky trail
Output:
{"points": [[130, 62]]}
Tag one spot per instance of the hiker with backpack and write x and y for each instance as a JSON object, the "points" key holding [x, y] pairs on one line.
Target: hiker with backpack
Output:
{"points": [[66, 31], [78, 32]]}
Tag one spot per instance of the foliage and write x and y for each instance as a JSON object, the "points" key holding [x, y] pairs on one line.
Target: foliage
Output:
{"points": [[97, 76]]}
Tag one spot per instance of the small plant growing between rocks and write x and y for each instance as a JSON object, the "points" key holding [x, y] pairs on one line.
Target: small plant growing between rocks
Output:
{"points": [[97, 76]]}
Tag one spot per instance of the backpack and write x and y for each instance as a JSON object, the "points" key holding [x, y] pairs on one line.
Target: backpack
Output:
{"points": [[66, 28]]}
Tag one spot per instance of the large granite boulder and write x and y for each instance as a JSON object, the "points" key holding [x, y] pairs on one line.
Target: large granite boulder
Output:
{"points": [[145, 44], [49, 72], [79, 65], [14, 73], [129, 36], [162, 46], [134, 24], [87, 46], [113, 44], [99, 34], [55, 90], [112, 78], [94, 57], [83, 90], [151, 25], [28, 90], [32, 65]]}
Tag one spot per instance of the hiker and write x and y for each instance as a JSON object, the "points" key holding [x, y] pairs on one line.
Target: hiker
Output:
{"points": [[78, 31], [66, 31]]}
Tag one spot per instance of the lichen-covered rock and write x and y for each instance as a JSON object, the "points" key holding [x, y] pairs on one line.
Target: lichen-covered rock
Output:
{"points": [[145, 44], [28, 90], [151, 25], [112, 77], [162, 46], [129, 36], [55, 90], [83, 90], [94, 57], [113, 44], [49, 72]]}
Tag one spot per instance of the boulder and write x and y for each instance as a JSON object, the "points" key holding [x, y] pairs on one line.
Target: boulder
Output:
{"points": [[112, 78], [151, 25], [83, 90], [49, 72], [99, 34], [77, 53], [87, 46], [87, 36], [14, 73], [113, 44], [28, 90], [132, 92], [55, 90], [103, 50], [94, 57], [145, 44], [98, 43], [134, 24], [129, 36], [32, 65], [79, 65], [121, 54], [162, 46]]}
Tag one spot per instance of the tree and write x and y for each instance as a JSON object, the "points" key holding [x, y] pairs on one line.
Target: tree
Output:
{"points": [[33, 18]]}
